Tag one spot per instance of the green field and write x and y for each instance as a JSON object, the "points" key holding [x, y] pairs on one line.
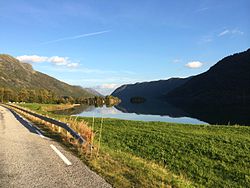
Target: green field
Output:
{"points": [[156, 154]]}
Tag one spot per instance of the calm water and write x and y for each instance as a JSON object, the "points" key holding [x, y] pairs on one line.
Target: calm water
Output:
{"points": [[112, 112], [165, 112]]}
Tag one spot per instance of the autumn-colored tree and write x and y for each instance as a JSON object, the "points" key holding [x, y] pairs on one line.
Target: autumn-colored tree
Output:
{"points": [[8, 95], [23, 95], [1, 94]]}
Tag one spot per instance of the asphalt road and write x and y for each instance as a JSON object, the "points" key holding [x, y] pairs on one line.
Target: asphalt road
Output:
{"points": [[28, 159]]}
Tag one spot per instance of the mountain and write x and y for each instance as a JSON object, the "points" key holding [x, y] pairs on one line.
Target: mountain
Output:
{"points": [[17, 75], [148, 90], [227, 82], [94, 92]]}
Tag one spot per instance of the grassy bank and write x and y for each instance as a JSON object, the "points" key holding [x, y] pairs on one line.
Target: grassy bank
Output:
{"points": [[155, 154]]}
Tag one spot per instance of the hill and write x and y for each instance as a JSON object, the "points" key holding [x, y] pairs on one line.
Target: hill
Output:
{"points": [[227, 82], [148, 90], [17, 75]]}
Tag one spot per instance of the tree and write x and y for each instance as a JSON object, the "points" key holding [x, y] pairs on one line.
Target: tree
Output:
{"points": [[1, 94], [32, 96], [23, 95], [71, 100], [8, 95]]}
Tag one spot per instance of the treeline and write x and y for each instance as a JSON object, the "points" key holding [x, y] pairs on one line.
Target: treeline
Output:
{"points": [[137, 100], [33, 96], [99, 101], [48, 97]]}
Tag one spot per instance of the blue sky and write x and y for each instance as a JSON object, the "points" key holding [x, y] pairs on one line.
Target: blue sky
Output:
{"points": [[103, 44]]}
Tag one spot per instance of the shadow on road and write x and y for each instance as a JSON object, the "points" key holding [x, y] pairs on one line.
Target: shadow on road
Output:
{"points": [[25, 123]]}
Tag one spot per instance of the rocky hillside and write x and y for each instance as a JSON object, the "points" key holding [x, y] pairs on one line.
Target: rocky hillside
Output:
{"points": [[17, 75]]}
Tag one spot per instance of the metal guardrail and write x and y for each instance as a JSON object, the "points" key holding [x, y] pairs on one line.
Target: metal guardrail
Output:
{"points": [[53, 121]]}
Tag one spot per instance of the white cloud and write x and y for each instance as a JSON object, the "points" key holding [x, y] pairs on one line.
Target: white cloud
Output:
{"points": [[236, 31], [108, 86], [177, 61], [32, 58], [202, 9], [206, 39], [224, 33], [72, 65], [194, 64], [230, 32], [59, 61], [76, 37], [106, 89]]}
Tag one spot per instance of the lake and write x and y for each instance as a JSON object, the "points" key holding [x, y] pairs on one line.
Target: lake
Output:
{"points": [[112, 112], [162, 111]]}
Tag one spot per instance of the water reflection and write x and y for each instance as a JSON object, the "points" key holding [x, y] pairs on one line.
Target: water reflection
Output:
{"points": [[157, 110], [114, 112], [219, 114], [212, 113]]}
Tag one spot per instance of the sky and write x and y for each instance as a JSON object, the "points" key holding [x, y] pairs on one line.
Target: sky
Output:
{"points": [[104, 44]]}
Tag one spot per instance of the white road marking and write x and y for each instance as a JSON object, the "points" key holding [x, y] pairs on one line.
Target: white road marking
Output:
{"points": [[65, 160]]}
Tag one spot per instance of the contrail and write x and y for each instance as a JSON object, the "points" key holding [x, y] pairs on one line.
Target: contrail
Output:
{"points": [[76, 37]]}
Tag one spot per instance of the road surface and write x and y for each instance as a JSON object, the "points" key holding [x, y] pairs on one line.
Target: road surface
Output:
{"points": [[27, 159]]}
